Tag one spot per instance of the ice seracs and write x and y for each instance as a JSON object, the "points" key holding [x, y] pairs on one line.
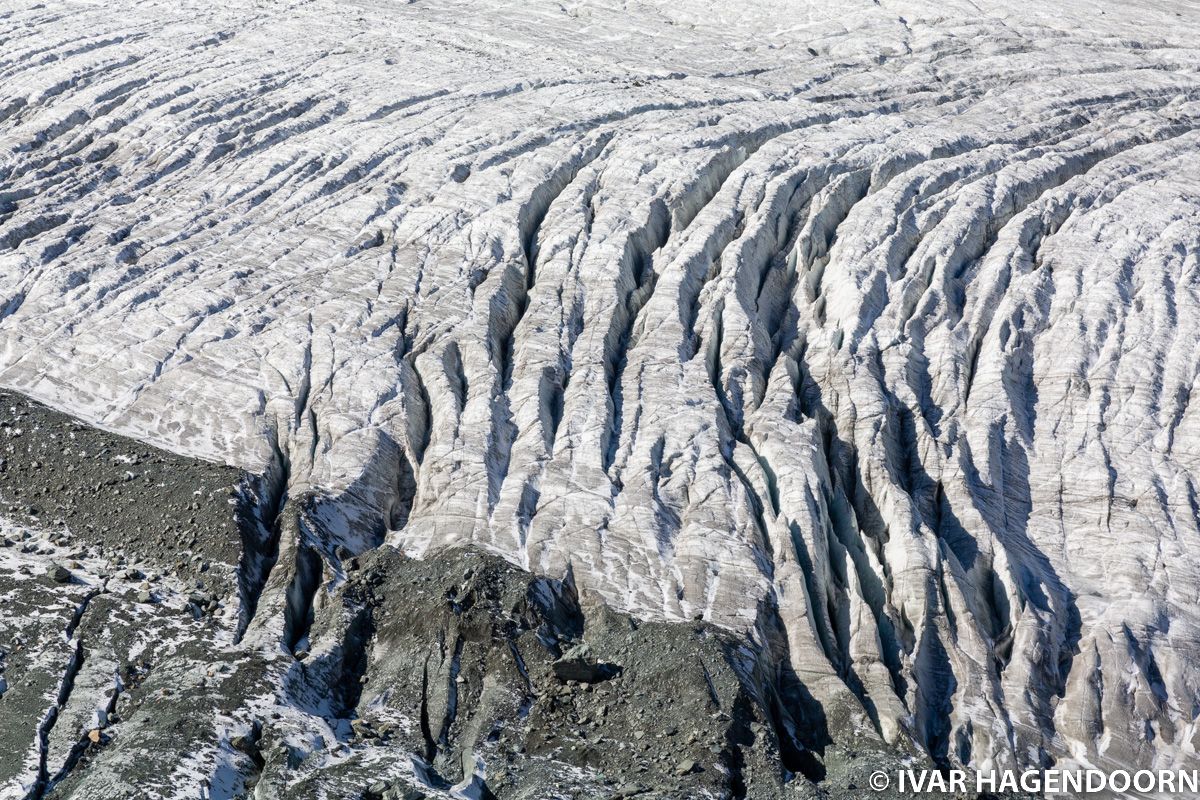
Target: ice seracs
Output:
{"points": [[867, 333]]}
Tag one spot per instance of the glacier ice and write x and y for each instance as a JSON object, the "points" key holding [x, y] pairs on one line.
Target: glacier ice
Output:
{"points": [[866, 331]]}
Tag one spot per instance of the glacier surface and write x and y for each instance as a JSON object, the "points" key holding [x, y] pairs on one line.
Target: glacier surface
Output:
{"points": [[867, 331]]}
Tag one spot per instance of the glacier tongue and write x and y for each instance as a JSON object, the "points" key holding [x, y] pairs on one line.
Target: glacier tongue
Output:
{"points": [[869, 333]]}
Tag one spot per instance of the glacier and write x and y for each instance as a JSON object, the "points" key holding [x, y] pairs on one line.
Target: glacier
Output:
{"points": [[863, 332]]}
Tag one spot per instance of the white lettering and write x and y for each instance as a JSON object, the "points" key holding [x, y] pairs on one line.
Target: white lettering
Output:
{"points": [[1050, 781], [1031, 782], [1119, 781], [958, 781], [1189, 779], [985, 782], [1166, 781], [1072, 782], [1139, 784]]}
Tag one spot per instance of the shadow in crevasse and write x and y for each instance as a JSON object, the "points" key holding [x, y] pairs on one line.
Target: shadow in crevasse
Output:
{"points": [[798, 719], [1038, 582], [865, 529]]}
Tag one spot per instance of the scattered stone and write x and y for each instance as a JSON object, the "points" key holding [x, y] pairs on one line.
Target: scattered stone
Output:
{"points": [[578, 664], [686, 767]]}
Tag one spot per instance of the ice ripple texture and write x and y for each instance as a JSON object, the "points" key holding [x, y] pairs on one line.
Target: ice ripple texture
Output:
{"points": [[867, 329]]}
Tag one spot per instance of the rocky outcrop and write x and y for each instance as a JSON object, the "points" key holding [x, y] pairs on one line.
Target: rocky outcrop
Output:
{"points": [[126, 673], [864, 334]]}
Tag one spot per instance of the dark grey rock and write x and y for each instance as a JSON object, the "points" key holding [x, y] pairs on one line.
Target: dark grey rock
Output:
{"points": [[578, 664], [451, 659]]}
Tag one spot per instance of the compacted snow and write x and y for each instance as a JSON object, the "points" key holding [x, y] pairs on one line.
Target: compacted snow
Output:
{"points": [[867, 330]]}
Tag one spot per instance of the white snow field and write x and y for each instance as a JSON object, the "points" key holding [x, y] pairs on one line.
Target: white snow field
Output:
{"points": [[868, 330]]}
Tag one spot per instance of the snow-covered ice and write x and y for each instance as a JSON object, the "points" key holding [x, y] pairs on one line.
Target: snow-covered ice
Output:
{"points": [[866, 329]]}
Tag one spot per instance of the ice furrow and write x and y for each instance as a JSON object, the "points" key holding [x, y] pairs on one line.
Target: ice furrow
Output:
{"points": [[867, 337], [65, 686]]}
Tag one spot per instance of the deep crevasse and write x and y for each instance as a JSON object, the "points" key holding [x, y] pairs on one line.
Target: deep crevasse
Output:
{"points": [[870, 332]]}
